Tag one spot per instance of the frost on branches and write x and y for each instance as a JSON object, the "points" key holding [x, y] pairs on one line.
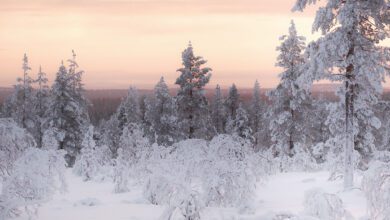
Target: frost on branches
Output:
{"points": [[34, 179], [349, 52]]}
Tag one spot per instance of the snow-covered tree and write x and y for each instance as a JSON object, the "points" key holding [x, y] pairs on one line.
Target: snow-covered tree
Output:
{"points": [[40, 106], [218, 114], [14, 140], [128, 112], [289, 98], [34, 179], [129, 109], [67, 112], [192, 104], [19, 104], [161, 115], [232, 102], [256, 112], [349, 52], [240, 125]]}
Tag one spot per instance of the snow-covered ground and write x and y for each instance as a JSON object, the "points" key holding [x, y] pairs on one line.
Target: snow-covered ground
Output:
{"points": [[281, 193]]}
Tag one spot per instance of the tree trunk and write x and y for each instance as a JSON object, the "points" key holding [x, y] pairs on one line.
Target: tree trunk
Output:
{"points": [[349, 136]]}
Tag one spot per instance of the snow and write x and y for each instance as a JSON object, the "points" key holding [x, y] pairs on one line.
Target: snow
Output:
{"points": [[282, 193]]}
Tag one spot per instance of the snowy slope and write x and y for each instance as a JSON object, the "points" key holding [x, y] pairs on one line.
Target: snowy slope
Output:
{"points": [[282, 193]]}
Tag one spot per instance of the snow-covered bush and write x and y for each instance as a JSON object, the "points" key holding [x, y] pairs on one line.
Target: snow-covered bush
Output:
{"points": [[376, 185], [324, 206], [34, 179], [174, 171], [13, 141], [219, 172], [228, 178]]}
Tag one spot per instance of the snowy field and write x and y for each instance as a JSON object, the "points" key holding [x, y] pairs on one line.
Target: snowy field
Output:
{"points": [[283, 193]]}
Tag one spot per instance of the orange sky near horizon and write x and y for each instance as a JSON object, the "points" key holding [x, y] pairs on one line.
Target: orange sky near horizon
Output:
{"points": [[134, 42]]}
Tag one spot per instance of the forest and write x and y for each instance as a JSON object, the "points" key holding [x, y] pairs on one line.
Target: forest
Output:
{"points": [[189, 154]]}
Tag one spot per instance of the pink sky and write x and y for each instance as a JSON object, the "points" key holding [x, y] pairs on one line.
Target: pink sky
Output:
{"points": [[123, 42]]}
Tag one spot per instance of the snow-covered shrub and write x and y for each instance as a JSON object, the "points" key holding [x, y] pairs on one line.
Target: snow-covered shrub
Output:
{"points": [[13, 141], [324, 206], [174, 171], [219, 172], [228, 178], [34, 179], [376, 185]]}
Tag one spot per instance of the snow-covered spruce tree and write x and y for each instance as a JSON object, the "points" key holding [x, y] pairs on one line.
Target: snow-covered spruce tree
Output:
{"points": [[40, 106], [349, 53], [67, 112], [128, 112], [34, 179], [161, 115], [14, 140], [218, 114], [289, 98], [256, 112], [240, 125], [19, 104], [192, 104]]}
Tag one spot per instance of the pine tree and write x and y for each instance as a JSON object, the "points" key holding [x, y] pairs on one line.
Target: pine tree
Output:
{"points": [[289, 98], [256, 111], [161, 115], [349, 53], [218, 114], [192, 104]]}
